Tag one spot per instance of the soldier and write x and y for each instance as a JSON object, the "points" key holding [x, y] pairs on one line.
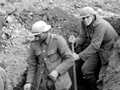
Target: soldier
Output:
{"points": [[3, 77], [49, 59], [102, 37]]}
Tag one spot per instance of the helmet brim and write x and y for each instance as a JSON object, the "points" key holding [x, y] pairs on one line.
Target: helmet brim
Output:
{"points": [[95, 13], [37, 33]]}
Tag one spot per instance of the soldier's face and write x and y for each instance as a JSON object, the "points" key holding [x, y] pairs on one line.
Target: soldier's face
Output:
{"points": [[41, 37], [87, 20]]}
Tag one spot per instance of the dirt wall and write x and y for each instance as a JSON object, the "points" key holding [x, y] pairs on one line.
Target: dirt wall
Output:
{"points": [[62, 18]]}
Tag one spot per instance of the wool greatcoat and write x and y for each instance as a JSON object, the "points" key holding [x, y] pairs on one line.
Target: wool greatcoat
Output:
{"points": [[53, 54]]}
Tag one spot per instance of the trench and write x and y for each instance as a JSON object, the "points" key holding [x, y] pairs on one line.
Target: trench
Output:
{"points": [[65, 25]]}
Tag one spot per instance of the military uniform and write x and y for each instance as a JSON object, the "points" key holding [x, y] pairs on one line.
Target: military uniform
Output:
{"points": [[53, 54], [102, 37]]}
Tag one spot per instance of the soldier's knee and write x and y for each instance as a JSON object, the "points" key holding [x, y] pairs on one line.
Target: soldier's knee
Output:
{"points": [[87, 74]]}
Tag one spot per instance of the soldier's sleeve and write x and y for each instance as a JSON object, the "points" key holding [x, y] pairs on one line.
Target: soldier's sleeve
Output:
{"points": [[81, 38], [31, 65], [95, 43], [66, 55]]}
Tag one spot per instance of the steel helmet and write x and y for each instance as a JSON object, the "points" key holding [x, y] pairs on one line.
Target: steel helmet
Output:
{"points": [[39, 27], [87, 11]]}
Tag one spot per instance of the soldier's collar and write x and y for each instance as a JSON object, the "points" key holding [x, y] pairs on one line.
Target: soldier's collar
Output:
{"points": [[48, 38]]}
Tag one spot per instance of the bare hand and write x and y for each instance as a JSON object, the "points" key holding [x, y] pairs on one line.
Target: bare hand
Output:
{"points": [[76, 56], [53, 75], [27, 86], [72, 39]]}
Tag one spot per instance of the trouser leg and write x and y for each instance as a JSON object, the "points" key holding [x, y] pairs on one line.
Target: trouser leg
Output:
{"points": [[88, 70], [102, 71], [102, 74], [93, 83]]}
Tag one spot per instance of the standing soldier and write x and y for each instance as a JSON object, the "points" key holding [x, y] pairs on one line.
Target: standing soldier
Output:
{"points": [[102, 37]]}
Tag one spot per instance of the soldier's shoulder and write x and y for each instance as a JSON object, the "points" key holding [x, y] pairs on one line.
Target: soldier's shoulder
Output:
{"points": [[56, 36]]}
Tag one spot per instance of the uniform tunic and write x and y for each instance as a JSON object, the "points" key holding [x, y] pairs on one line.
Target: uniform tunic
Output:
{"points": [[53, 54], [102, 36]]}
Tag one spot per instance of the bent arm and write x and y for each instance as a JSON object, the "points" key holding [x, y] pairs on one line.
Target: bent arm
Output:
{"points": [[66, 54], [31, 66], [95, 43]]}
